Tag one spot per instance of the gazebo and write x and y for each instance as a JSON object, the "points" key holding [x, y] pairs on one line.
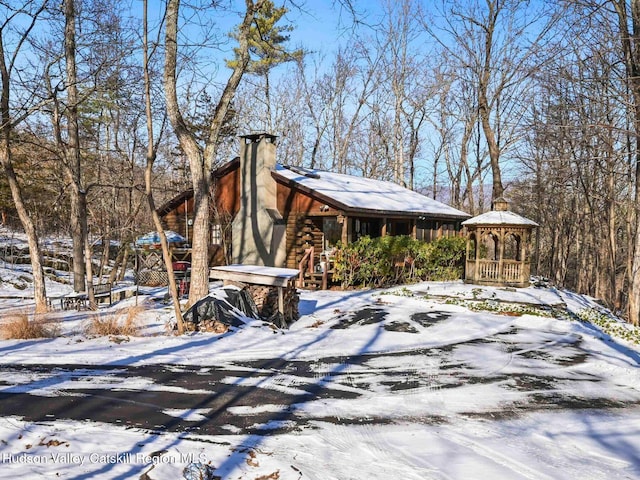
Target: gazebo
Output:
{"points": [[498, 247]]}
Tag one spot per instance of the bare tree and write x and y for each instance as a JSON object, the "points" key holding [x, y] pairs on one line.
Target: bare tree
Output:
{"points": [[405, 77], [576, 161], [486, 38], [152, 152], [628, 24], [78, 75], [21, 20], [201, 158], [72, 164], [267, 46]]}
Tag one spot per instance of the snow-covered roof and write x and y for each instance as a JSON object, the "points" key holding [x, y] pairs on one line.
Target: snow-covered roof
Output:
{"points": [[365, 193], [153, 238], [500, 218]]}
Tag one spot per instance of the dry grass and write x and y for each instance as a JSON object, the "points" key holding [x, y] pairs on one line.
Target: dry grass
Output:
{"points": [[20, 326], [122, 322]]}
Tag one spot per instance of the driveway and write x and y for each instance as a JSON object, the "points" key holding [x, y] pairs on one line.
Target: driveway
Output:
{"points": [[276, 395]]}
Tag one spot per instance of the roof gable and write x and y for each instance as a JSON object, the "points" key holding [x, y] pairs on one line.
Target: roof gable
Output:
{"points": [[174, 202]]}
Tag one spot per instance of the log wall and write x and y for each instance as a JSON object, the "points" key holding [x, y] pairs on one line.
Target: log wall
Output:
{"points": [[302, 233]]}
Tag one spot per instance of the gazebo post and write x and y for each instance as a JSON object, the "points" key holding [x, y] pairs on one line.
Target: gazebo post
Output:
{"points": [[500, 252]]}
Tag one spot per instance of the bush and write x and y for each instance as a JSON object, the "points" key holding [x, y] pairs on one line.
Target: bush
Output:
{"points": [[445, 259], [20, 326], [392, 260], [122, 322]]}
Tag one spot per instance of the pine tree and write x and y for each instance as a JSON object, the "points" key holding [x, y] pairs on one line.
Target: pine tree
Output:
{"points": [[267, 47]]}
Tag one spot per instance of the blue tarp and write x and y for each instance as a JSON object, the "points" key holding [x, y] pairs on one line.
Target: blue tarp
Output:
{"points": [[152, 238]]}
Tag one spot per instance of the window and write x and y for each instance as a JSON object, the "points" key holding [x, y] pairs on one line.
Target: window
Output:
{"points": [[366, 227], [426, 229], [216, 234], [401, 228], [332, 231]]}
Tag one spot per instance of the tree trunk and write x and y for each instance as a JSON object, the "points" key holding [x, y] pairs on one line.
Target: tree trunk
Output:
{"points": [[630, 41], [77, 239], [104, 258], [148, 174], [200, 160], [123, 267], [6, 127], [494, 150], [113, 274], [78, 219], [612, 245], [89, 269], [267, 99], [634, 287], [35, 253]]}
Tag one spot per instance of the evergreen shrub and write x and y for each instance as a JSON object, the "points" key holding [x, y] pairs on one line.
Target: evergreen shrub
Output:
{"points": [[393, 260]]}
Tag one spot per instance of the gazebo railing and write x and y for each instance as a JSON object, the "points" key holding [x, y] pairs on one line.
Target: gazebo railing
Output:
{"points": [[512, 271]]}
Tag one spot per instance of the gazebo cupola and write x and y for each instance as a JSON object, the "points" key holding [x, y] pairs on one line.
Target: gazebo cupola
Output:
{"points": [[498, 247]]}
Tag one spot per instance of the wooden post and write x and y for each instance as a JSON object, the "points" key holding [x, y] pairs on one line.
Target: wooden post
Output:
{"points": [[500, 252], [346, 230], [325, 276], [281, 301]]}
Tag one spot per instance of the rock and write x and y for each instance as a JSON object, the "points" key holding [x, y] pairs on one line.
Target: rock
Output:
{"points": [[199, 471]]}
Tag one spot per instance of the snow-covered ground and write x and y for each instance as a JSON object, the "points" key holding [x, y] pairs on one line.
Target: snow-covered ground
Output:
{"points": [[440, 390]]}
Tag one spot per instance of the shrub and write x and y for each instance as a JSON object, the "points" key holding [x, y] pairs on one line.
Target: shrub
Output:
{"points": [[20, 326], [445, 259], [610, 325], [123, 322], [394, 260]]}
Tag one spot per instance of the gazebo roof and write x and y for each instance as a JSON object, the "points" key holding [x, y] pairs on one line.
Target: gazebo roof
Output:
{"points": [[505, 218]]}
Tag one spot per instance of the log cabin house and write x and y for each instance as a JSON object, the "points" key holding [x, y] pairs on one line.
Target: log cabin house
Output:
{"points": [[267, 213]]}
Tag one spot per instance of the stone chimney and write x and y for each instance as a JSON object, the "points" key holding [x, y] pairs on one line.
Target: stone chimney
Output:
{"points": [[258, 229]]}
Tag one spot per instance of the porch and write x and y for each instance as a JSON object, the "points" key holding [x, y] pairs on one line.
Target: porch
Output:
{"points": [[311, 240]]}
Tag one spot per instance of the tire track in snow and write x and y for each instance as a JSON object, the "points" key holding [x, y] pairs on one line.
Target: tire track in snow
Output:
{"points": [[364, 441], [495, 456]]}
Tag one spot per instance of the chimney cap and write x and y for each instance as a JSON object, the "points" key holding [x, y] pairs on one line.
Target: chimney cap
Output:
{"points": [[256, 137]]}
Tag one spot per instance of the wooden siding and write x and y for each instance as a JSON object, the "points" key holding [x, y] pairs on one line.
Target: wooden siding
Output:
{"points": [[226, 204], [227, 193], [178, 219], [291, 201], [303, 215], [430, 230]]}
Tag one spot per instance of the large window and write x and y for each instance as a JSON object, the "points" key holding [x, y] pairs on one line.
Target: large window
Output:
{"points": [[430, 230], [401, 228], [332, 231], [366, 227], [427, 230]]}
